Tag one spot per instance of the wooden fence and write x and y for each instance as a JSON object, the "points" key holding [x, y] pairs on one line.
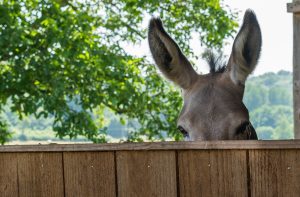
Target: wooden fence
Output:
{"points": [[220, 168]]}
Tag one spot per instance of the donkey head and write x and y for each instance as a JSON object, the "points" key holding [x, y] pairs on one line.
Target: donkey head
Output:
{"points": [[213, 103]]}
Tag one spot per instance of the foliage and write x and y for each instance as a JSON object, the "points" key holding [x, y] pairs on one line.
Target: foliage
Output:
{"points": [[5, 135], [55, 53], [269, 100], [271, 120]]}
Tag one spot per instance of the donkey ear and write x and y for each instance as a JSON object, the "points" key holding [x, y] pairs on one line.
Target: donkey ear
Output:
{"points": [[246, 49], [168, 57]]}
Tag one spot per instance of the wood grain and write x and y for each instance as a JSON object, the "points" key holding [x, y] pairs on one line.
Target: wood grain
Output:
{"points": [[89, 174], [8, 175], [179, 172], [213, 173], [296, 71], [146, 173], [275, 173], [200, 145], [40, 174], [293, 7]]}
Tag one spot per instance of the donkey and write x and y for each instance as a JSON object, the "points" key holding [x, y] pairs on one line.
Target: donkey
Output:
{"points": [[213, 103]]}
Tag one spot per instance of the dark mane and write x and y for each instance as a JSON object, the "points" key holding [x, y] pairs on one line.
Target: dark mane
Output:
{"points": [[215, 61]]}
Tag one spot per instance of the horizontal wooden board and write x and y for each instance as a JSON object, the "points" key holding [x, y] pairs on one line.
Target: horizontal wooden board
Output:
{"points": [[275, 173], [200, 145], [213, 173], [89, 174], [146, 173]]}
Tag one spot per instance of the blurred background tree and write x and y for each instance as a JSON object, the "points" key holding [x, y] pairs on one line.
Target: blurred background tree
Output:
{"points": [[65, 59], [269, 98]]}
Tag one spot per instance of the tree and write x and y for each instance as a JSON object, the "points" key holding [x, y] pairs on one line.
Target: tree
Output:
{"points": [[57, 52], [265, 132], [284, 129], [255, 96], [280, 96], [270, 115], [4, 134]]}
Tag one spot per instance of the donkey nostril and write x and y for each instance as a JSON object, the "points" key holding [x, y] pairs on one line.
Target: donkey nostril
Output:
{"points": [[183, 131]]}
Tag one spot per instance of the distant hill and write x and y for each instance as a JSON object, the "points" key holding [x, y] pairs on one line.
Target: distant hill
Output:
{"points": [[269, 98]]}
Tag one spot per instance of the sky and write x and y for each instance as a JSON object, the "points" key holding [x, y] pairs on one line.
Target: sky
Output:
{"points": [[277, 32], [277, 36]]}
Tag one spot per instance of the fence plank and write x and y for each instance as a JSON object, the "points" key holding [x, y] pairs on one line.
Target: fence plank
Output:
{"points": [[40, 174], [89, 174], [195, 145], [146, 173], [8, 175], [213, 173], [275, 172]]}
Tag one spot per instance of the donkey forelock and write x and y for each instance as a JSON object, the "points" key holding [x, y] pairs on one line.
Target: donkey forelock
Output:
{"points": [[213, 107], [215, 62]]}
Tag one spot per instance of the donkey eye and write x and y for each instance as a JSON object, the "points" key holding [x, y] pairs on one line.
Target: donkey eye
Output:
{"points": [[183, 131]]}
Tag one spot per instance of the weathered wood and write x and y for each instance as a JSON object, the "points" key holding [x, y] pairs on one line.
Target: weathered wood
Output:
{"points": [[275, 172], [163, 169], [293, 7], [89, 174], [213, 173], [8, 174], [296, 72], [146, 173], [201, 145], [40, 174]]}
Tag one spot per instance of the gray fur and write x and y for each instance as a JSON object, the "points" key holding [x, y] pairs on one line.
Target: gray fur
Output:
{"points": [[168, 57], [213, 103], [246, 48]]}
